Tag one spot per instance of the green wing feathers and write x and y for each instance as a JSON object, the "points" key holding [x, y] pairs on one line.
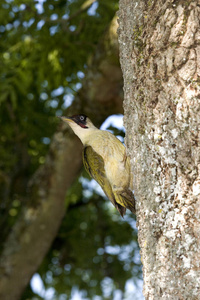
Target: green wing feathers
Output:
{"points": [[94, 165]]}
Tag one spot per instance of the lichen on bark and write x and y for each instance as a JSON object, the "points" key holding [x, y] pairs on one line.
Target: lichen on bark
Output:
{"points": [[162, 120]]}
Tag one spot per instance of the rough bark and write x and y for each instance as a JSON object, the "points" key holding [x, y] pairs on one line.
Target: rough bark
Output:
{"points": [[35, 230], [160, 59]]}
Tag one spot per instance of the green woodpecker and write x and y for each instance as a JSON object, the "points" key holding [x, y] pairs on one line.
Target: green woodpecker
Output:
{"points": [[104, 158]]}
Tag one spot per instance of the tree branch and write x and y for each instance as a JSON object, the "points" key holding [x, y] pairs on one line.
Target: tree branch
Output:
{"points": [[39, 222]]}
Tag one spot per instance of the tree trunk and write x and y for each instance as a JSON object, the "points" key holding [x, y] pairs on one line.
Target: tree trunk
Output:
{"points": [[160, 59], [34, 231]]}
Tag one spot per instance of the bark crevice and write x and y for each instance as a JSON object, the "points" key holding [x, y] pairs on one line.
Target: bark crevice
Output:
{"points": [[162, 120]]}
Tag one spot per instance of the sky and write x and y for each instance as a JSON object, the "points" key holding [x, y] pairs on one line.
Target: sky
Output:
{"points": [[48, 294]]}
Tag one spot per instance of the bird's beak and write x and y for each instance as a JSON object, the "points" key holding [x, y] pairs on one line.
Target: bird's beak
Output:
{"points": [[65, 119]]}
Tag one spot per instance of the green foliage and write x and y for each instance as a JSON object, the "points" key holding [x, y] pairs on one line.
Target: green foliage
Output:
{"points": [[94, 245], [43, 50]]}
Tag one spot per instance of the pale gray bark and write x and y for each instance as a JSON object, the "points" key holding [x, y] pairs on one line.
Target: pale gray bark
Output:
{"points": [[160, 59]]}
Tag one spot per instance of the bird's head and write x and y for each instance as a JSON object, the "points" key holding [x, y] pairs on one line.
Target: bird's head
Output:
{"points": [[81, 125]]}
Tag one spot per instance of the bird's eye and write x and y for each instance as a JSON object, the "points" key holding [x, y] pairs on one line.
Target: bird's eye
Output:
{"points": [[82, 118]]}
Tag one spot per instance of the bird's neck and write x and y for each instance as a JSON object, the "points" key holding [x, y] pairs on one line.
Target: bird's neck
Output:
{"points": [[87, 136], [84, 134]]}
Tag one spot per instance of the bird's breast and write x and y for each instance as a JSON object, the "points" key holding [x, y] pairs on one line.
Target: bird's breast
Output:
{"points": [[112, 151]]}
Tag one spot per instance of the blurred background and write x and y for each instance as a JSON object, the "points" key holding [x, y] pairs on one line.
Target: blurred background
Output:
{"points": [[56, 57]]}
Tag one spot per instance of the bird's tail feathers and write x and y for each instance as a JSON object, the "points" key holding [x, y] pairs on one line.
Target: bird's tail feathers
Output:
{"points": [[126, 199], [121, 209]]}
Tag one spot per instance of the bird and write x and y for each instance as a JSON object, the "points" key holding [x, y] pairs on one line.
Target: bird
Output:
{"points": [[105, 159]]}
